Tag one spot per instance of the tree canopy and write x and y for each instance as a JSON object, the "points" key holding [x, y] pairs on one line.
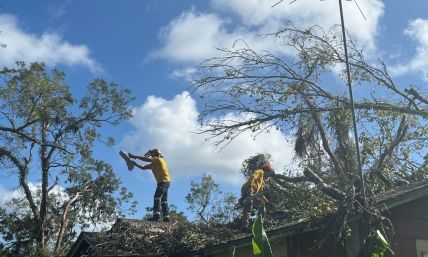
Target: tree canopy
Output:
{"points": [[298, 94], [48, 135], [211, 204]]}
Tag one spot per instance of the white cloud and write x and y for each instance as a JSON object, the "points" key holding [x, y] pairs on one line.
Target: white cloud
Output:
{"points": [[194, 36], [48, 47], [417, 30], [7, 195], [3, 194], [170, 126], [184, 33], [307, 13], [187, 73]]}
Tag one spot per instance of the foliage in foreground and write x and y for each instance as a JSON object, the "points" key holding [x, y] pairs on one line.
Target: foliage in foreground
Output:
{"points": [[377, 246]]}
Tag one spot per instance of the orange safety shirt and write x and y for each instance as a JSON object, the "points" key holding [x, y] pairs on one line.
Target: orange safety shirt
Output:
{"points": [[160, 170], [255, 182]]}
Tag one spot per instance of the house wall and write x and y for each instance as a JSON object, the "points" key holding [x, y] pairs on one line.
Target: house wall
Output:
{"points": [[410, 223], [279, 249], [297, 246], [307, 245]]}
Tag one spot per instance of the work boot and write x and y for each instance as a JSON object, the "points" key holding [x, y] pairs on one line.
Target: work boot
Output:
{"points": [[253, 212], [155, 218]]}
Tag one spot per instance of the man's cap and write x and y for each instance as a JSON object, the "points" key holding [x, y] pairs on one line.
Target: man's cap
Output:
{"points": [[152, 152]]}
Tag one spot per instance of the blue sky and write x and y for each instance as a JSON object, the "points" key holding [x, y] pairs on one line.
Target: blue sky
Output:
{"points": [[153, 47]]}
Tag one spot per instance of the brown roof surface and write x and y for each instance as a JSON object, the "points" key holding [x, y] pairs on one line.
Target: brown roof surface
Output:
{"points": [[133, 237], [403, 194]]}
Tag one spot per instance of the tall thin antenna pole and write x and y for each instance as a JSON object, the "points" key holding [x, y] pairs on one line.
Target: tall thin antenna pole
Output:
{"points": [[348, 73]]}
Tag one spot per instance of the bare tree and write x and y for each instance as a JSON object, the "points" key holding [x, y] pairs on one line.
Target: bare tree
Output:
{"points": [[297, 94]]}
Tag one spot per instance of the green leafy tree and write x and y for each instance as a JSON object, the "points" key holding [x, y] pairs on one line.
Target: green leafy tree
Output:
{"points": [[295, 94], [209, 202], [47, 135]]}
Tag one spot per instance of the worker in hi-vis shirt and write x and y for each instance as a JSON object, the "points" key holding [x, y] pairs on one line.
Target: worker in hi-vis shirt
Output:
{"points": [[252, 186], [160, 171]]}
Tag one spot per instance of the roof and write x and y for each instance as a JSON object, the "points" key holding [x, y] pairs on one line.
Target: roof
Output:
{"points": [[385, 200], [402, 195], [132, 237], [84, 240], [289, 229], [388, 199], [87, 240], [224, 238], [154, 227]]}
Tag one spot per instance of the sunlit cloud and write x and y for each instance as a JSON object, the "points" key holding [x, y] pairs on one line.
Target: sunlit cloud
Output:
{"points": [[49, 48], [171, 125]]}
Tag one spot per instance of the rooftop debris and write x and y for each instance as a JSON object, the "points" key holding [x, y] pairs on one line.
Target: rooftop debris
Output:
{"points": [[129, 237], [144, 238]]}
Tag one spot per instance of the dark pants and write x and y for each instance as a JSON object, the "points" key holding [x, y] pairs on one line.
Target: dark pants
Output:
{"points": [[161, 200], [248, 207]]}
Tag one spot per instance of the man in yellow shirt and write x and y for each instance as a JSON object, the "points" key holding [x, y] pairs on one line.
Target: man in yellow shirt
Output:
{"points": [[252, 186], [160, 171]]}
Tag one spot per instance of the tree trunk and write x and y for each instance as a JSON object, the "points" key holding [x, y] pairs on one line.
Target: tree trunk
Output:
{"points": [[64, 221], [44, 196], [354, 243], [28, 195]]}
